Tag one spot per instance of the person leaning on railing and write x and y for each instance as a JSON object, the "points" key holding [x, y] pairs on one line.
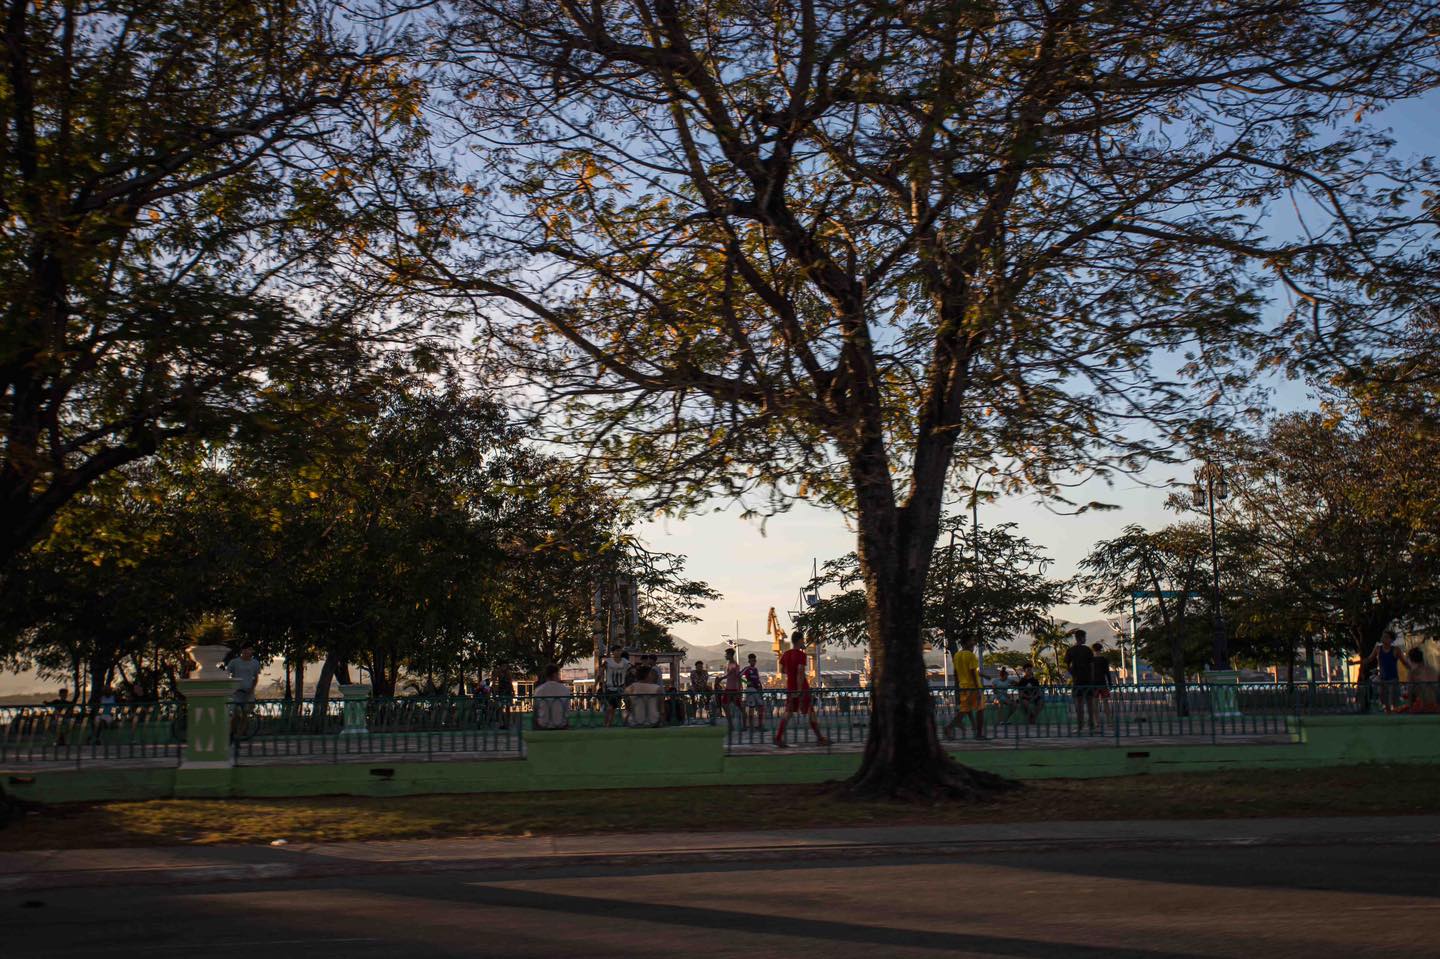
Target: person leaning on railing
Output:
{"points": [[552, 701]]}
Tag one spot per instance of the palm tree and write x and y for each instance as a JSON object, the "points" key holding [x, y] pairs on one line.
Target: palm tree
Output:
{"points": [[1051, 636]]}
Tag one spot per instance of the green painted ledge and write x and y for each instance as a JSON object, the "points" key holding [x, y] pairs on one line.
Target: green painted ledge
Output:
{"points": [[695, 756]]}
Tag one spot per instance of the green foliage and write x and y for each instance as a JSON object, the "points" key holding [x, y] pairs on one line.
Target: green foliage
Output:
{"points": [[409, 531], [180, 180], [1343, 506], [1011, 658], [1005, 593]]}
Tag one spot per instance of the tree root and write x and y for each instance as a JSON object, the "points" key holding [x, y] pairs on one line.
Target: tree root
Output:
{"points": [[936, 782]]}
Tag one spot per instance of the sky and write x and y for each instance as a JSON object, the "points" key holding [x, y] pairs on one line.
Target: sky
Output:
{"points": [[755, 570]]}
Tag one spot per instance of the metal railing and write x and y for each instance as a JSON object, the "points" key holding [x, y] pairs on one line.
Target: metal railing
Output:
{"points": [[100, 731], [403, 727], [444, 727]]}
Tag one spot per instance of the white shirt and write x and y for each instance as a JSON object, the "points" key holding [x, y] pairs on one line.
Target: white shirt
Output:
{"points": [[644, 704], [615, 673], [247, 671], [552, 703]]}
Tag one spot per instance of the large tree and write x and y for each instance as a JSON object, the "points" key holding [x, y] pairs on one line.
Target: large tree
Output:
{"points": [[840, 248], [178, 180]]}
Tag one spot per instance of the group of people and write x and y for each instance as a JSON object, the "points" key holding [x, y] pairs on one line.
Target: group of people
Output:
{"points": [[636, 694], [1421, 689], [1021, 695]]}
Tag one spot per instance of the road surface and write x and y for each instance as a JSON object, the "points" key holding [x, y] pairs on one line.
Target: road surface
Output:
{"points": [[1350, 899]]}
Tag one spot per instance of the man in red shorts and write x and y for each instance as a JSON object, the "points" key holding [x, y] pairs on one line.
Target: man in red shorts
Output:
{"points": [[797, 689]]}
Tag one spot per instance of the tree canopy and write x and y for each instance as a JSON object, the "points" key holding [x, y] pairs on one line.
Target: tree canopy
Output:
{"points": [[178, 180], [410, 533]]}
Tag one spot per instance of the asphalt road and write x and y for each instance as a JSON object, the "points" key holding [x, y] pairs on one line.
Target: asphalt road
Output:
{"points": [[1353, 899]]}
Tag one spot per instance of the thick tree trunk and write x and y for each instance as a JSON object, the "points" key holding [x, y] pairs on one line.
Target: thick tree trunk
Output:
{"points": [[328, 672], [903, 756]]}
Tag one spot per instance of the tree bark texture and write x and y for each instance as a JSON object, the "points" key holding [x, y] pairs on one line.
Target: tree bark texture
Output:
{"points": [[903, 757]]}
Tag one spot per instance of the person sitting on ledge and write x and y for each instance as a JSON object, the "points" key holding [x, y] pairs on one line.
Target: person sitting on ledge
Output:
{"points": [[1423, 684], [644, 695], [552, 701]]}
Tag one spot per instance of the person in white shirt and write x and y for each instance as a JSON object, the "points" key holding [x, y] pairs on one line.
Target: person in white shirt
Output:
{"points": [[644, 696], [245, 670], [612, 682], [552, 701]]}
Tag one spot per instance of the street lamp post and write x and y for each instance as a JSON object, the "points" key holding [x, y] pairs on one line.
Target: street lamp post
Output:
{"points": [[1210, 487], [975, 543], [1221, 682]]}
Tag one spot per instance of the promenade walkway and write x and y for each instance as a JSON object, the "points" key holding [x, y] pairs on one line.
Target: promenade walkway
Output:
{"points": [[193, 865]]}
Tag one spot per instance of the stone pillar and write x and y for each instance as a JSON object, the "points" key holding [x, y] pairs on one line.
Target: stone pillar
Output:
{"points": [[207, 723], [356, 696]]}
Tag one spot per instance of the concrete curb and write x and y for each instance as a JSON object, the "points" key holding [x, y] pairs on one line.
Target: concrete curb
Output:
{"points": [[829, 852]]}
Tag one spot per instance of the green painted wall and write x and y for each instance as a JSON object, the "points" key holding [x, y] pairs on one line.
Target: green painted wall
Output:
{"points": [[694, 756]]}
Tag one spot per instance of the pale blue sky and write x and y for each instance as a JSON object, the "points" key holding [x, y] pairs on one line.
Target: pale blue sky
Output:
{"points": [[755, 571]]}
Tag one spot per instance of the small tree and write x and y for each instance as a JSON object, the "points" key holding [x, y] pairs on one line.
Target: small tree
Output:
{"points": [[1344, 506], [1164, 575], [990, 598]]}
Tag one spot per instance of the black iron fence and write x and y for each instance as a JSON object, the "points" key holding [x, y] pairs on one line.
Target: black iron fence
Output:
{"points": [[454, 726]]}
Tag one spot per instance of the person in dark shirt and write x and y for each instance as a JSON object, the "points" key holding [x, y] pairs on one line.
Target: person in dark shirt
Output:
{"points": [[1080, 660], [1027, 691], [1101, 673], [1386, 657]]}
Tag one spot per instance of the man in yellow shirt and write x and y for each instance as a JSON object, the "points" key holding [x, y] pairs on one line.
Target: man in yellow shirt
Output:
{"points": [[967, 691]]}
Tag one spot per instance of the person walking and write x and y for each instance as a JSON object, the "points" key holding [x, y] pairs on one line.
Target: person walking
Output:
{"points": [[1080, 660], [797, 691], [245, 670], [968, 702]]}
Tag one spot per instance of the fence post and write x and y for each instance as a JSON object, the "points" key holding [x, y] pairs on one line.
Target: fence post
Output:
{"points": [[207, 711], [356, 696]]}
